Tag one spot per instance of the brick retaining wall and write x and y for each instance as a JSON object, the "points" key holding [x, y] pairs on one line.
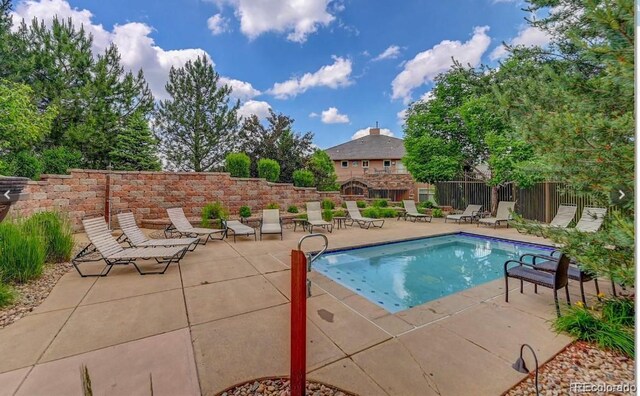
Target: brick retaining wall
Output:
{"points": [[148, 194]]}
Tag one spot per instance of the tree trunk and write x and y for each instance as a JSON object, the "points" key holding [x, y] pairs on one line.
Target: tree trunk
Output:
{"points": [[494, 200]]}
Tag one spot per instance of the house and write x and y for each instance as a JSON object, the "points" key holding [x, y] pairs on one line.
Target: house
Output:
{"points": [[371, 167]]}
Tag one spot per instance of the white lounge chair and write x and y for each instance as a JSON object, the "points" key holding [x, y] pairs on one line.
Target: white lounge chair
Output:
{"points": [[271, 222], [239, 229], [503, 214], [136, 238], [180, 225], [469, 214], [363, 222], [563, 217], [591, 220], [412, 212], [314, 217], [113, 254]]}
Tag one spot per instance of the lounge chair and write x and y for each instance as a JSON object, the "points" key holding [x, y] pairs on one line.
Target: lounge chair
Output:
{"points": [[239, 229], [314, 217], [363, 222], [503, 214], [591, 220], [180, 225], [563, 217], [271, 222], [469, 214], [113, 254], [527, 272], [136, 238], [412, 212]]}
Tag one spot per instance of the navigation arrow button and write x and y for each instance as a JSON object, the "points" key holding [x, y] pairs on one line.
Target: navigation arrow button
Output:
{"points": [[6, 195]]}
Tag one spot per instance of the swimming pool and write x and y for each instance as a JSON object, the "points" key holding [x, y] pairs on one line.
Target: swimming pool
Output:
{"points": [[401, 275]]}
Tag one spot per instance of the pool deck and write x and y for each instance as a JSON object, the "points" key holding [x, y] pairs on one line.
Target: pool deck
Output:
{"points": [[222, 317]]}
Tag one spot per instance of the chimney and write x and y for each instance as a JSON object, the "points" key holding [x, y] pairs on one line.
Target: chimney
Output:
{"points": [[374, 131]]}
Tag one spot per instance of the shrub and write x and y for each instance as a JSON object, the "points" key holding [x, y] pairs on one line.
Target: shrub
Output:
{"points": [[56, 233], [292, 209], [269, 169], [372, 212], [23, 252], [272, 205], [437, 212], [339, 213], [361, 204], [327, 214], [302, 216], [380, 203], [324, 174], [303, 178], [6, 295], [619, 310], [238, 164], [328, 204], [245, 211], [214, 211], [59, 160], [426, 204], [25, 164]]}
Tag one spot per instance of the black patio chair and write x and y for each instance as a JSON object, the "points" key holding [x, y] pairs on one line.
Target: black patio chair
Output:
{"points": [[527, 272]]}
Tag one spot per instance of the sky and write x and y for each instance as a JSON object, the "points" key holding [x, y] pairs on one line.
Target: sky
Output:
{"points": [[336, 66]]}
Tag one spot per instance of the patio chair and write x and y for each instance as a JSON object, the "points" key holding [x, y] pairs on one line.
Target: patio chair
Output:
{"points": [[113, 254], [503, 214], [412, 212], [180, 225], [271, 222], [136, 238], [314, 217], [549, 264], [239, 229], [363, 222], [527, 272], [591, 220], [469, 213], [563, 217]]}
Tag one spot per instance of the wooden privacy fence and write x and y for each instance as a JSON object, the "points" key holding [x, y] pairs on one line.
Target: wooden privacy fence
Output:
{"points": [[539, 202]]}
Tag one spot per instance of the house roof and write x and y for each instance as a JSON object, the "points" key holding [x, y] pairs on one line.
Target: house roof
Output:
{"points": [[368, 147]]}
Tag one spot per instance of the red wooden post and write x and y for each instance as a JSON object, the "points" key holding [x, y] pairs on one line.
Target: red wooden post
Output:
{"points": [[298, 322]]}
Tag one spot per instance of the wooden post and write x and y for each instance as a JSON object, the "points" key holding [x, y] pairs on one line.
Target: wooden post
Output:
{"points": [[547, 202], [107, 197], [298, 322]]}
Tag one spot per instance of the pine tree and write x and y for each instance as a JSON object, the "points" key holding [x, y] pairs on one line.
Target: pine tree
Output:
{"points": [[197, 126], [135, 146]]}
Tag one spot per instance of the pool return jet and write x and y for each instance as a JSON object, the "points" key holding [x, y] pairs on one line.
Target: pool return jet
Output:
{"points": [[300, 291]]}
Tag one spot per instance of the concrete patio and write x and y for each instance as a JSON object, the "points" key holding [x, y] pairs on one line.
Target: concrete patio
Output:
{"points": [[222, 317]]}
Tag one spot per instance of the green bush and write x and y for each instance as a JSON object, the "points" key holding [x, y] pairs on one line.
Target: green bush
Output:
{"points": [[25, 164], [361, 204], [23, 252], [6, 295], [328, 204], [303, 178], [57, 161], [619, 310], [380, 203], [56, 233], [437, 212], [292, 209], [245, 211], [372, 212], [214, 211], [238, 164], [269, 169], [327, 214], [302, 216], [426, 204], [272, 205], [339, 213]]}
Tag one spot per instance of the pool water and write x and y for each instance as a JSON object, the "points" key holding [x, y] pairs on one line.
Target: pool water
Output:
{"points": [[400, 275]]}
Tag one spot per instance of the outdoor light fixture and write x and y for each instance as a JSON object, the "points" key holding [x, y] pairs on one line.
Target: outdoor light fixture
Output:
{"points": [[521, 367]]}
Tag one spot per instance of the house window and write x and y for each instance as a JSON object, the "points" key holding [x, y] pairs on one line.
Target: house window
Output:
{"points": [[365, 164], [354, 164], [426, 194], [386, 163], [345, 164]]}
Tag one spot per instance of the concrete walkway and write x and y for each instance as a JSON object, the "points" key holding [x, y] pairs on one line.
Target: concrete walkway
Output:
{"points": [[222, 317]]}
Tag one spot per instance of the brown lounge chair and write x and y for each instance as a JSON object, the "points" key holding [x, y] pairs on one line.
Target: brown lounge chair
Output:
{"points": [[113, 254], [136, 238], [527, 272], [412, 212], [180, 225]]}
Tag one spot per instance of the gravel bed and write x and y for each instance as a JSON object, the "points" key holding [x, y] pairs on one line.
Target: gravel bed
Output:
{"points": [[580, 362], [280, 387], [29, 295]]}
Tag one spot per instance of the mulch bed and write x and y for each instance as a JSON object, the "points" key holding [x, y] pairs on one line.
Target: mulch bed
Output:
{"points": [[280, 387], [31, 294], [580, 362]]}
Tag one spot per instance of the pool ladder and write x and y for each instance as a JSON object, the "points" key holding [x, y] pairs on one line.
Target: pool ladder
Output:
{"points": [[311, 257]]}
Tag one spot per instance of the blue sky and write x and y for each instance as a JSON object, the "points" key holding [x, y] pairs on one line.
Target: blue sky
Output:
{"points": [[336, 66]]}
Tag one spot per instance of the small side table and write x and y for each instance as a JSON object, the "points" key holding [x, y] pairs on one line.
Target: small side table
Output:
{"points": [[341, 221], [302, 222]]}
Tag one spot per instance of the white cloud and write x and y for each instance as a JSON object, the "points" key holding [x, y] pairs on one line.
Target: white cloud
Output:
{"points": [[333, 76], [313, 114], [426, 65], [392, 52], [218, 24], [427, 96], [364, 132], [297, 18], [402, 115], [333, 116], [528, 36], [240, 89], [257, 107]]}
